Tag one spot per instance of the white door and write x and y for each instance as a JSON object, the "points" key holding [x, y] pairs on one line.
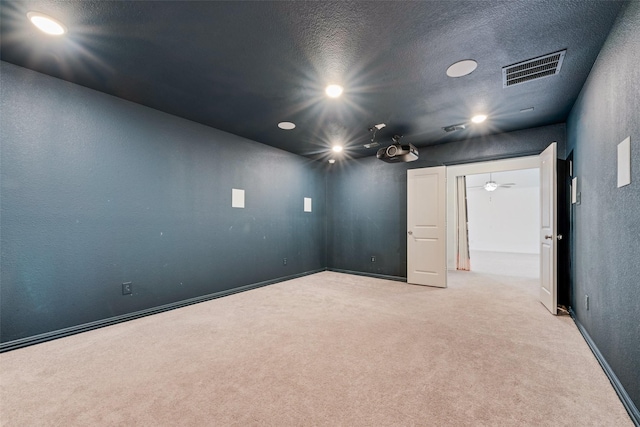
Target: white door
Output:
{"points": [[426, 227], [548, 229]]}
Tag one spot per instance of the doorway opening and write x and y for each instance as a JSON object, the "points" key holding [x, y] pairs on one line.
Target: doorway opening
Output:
{"points": [[503, 222], [434, 217], [489, 212]]}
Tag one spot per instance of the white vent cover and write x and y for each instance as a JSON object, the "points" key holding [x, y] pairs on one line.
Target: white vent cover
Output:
{"points": [[533, 69]]}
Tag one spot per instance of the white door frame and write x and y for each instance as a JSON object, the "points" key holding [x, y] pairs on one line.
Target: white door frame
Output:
{"points": [[517, 163]]}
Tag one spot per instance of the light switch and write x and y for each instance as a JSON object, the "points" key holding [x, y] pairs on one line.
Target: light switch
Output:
{"points": [[307, 204], [624, 162]]}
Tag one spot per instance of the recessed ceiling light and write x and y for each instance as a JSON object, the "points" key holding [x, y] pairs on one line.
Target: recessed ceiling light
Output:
{"points": [[337, 148], [286, 125], [332, 161], [47, 24], [479, 118], [462, 68], [333, 91]]}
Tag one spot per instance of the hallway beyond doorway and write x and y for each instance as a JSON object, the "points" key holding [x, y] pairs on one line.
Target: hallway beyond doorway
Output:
{"points": [[506, 264]]}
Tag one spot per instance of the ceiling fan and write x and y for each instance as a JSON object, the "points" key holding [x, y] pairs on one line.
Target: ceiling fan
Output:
{"points": [[491, 185]]}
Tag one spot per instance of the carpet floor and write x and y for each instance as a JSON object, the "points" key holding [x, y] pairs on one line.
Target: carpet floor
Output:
{"points": [[326, 349], [506, 264]]}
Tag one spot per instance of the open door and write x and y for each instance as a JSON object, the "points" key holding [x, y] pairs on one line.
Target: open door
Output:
{"points": [[548, 229], [426, 227]]}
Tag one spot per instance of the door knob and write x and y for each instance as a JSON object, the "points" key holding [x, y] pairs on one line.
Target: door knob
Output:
{"points": [[548, 236], [410, 232], [559, 236]]}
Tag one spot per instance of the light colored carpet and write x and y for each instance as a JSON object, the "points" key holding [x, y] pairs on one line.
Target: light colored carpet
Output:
{"points": [[506, 264], [326, 349]]}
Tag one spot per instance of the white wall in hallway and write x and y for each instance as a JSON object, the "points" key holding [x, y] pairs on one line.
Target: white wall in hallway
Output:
{"points": [[508, 219], [468, 169]]}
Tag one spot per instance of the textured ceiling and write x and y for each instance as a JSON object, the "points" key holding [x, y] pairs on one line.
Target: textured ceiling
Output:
{"points": [[243, 67]]}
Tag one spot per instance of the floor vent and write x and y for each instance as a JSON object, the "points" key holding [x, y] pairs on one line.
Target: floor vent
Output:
{"points": [[533, 69]]}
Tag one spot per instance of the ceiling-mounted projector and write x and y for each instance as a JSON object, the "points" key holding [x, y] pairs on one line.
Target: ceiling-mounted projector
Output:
{"points": [[397, 152]]}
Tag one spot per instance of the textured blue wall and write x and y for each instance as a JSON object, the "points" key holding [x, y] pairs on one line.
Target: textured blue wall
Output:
{"points": [[607, 223], [97, 191], [367, 198]]}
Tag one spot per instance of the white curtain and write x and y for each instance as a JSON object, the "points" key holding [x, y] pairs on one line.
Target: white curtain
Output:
{"points": [[463, 260]]}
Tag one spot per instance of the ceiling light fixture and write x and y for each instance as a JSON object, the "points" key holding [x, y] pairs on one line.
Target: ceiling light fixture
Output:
{"points": [[332, 161], [47, 24], [479, 118], [337, 148], [333, 91], [286, 125], [462, 68], [490, 186]]}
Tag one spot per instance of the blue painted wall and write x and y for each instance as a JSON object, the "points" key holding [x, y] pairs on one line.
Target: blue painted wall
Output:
{"points": [[367, 198], [97, 191], [606, 255]]}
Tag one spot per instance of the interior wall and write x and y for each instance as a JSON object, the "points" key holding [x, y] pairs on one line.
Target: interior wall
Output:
{"points": [[507, 219], [606, 222], [367, 198], [97, 191]]}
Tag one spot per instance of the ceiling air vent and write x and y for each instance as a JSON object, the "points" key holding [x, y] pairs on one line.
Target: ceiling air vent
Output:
{"points": [[533, 69], [454, 128]]}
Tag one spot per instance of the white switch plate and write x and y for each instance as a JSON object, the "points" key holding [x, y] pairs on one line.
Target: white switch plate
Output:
{"points": [[624, 162], [307, 204], [237, 198]]}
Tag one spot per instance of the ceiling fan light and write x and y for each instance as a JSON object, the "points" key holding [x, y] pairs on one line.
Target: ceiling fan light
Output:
{"points": [[490, 186]]}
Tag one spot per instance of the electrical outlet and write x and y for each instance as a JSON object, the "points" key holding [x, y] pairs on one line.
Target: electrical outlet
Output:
{"points": [[586, 302], [373, 259], [284, 261], [127, 288]]}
